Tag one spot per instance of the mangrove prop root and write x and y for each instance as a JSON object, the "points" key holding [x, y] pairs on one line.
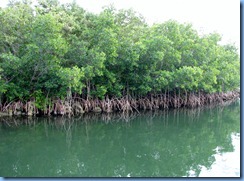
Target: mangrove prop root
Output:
{"points": [[78, 106]]}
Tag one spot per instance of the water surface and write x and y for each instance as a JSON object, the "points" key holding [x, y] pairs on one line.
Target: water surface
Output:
{"points": [[172, 143]]}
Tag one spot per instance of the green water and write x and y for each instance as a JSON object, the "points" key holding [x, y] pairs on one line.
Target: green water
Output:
{"points": [[172, 143]]}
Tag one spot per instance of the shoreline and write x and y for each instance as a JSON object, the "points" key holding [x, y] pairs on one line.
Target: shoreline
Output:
{"points": [[78, 106]]}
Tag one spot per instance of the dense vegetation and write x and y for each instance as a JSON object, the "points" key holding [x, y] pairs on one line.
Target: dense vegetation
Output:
{"points": [[51, 51]]}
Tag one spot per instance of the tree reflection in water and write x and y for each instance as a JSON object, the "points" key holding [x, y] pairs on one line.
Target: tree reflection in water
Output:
{"points": [[163, 143]]}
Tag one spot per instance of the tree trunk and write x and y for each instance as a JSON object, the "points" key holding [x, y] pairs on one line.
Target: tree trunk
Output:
{"points": [[88, 87]]}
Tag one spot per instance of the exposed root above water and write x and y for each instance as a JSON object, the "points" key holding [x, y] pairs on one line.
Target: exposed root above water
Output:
{"points": [[77, 106]]}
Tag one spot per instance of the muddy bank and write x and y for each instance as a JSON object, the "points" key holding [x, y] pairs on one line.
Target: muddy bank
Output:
{"points": [[77, 106]]}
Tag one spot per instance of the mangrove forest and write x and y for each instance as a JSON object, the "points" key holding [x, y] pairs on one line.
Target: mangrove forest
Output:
{"points": [[59, 59]]}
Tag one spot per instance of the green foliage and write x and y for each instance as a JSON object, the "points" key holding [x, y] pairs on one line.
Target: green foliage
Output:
{"points": [[164, 80], [48, 49], [188, 78], [40, 99], [100, 91], [71, 78]]}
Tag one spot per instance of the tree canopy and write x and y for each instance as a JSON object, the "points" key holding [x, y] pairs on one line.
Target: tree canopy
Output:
{"points": [[50, 48]]}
